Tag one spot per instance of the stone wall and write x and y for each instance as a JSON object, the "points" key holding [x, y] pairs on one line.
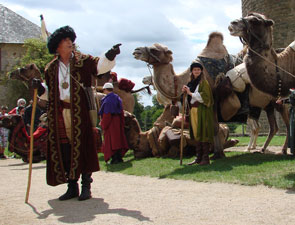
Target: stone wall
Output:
{"points": [[283, 14], [10, 55]]}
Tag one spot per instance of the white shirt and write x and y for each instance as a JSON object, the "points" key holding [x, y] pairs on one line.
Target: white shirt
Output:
{"points": [[104, 65], [196, 96]]}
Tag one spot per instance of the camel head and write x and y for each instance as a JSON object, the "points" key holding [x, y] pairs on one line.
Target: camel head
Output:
{"points": [[155, 54], [254, 29], [10, 121], [26, 73], [147, 80]]}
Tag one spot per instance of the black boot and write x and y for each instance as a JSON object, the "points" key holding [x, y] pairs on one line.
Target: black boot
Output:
{"points": [[86, 192], [117, 157], [72, 192], [199, 154]]}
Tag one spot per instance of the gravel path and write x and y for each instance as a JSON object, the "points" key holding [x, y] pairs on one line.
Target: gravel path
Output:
{"points": [[123, 199]]}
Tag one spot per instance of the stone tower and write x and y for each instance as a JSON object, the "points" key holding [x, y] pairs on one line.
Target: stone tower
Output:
{"points": [[283, 14]]}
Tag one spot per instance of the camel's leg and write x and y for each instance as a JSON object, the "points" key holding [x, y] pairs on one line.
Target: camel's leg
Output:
{"points": [[249, 147], [283, 110], [254, 131], [218, 147], [250, 122], [255, 136], [273, 127]]}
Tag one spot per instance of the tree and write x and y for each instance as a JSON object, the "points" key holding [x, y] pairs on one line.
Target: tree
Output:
{"points": [[35, 52], [138, 109]]}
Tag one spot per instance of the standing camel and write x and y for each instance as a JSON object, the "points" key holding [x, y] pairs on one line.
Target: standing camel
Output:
{"points": [[259, 100], [269, 72]]}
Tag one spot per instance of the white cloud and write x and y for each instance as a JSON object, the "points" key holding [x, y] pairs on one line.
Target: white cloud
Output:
{"points": [[182, 25]]}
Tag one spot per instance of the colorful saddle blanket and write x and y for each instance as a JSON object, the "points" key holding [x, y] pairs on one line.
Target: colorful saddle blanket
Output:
{"points": [[216, 66]]}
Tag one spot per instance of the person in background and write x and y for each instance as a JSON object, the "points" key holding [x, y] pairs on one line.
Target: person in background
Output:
{"points": [[28, 114], [4, 132], [201, 101], [112, 123], [20, 102], [71, 147]]}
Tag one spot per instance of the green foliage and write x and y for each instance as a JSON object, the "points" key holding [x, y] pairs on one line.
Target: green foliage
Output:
{"points": [[36, 52], [138, 108], [147, 115], [151, 114], [232, 127]]}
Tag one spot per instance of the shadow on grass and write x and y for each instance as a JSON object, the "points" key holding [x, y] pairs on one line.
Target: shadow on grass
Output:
{"points": [[117, 167], [231, 161], [291, 178]]}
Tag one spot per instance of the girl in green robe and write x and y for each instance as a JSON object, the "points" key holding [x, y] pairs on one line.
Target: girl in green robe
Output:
{"points": [[200, 99]]}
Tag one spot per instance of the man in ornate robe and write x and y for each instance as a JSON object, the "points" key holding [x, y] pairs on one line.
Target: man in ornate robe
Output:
{"points": [[71, 144]]}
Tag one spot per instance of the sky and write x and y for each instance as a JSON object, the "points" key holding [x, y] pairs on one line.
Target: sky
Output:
{"points": [[182, 25]]}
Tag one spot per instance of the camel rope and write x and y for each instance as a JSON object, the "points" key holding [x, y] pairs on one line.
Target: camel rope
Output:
{"points": [[159, 88], [271, 62]]}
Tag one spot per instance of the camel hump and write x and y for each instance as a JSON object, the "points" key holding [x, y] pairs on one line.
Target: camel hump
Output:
{"points": [[125, 84]]}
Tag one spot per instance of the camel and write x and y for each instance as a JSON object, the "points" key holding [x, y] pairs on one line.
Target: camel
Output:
{"points": [[269, 71], [240, 78], [26, 74], [164, 77], [128, 100], [148, 80], [30, 71], [18, 141]]}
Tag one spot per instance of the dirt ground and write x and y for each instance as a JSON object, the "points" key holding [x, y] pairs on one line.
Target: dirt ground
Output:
{"points": [[123, 199]]}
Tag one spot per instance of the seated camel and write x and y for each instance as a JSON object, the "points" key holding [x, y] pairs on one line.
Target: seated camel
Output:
{"points": [[19, 141], [168, 83]]}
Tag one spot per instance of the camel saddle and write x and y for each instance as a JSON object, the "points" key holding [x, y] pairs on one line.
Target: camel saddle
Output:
{"points": [[217, 66]]}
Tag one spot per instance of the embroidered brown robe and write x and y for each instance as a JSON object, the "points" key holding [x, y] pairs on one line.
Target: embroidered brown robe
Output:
{"points": [[84, 153]]}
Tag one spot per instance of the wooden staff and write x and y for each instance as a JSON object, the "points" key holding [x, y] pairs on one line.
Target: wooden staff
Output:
{"points": [[182, 126], [31, 144]]}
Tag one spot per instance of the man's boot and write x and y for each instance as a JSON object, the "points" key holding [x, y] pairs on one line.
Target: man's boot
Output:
{"points": [[86, 181], [199, 153], [205, 157], [117, 157], [72, 192]]}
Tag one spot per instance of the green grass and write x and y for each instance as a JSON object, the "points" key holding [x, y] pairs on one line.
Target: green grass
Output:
{"points": [[276, 141], [238, 168]]}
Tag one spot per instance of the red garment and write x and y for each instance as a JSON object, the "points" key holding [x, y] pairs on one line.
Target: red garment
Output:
{"points": [[114, 135], [13, 111], [126, 85]]}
